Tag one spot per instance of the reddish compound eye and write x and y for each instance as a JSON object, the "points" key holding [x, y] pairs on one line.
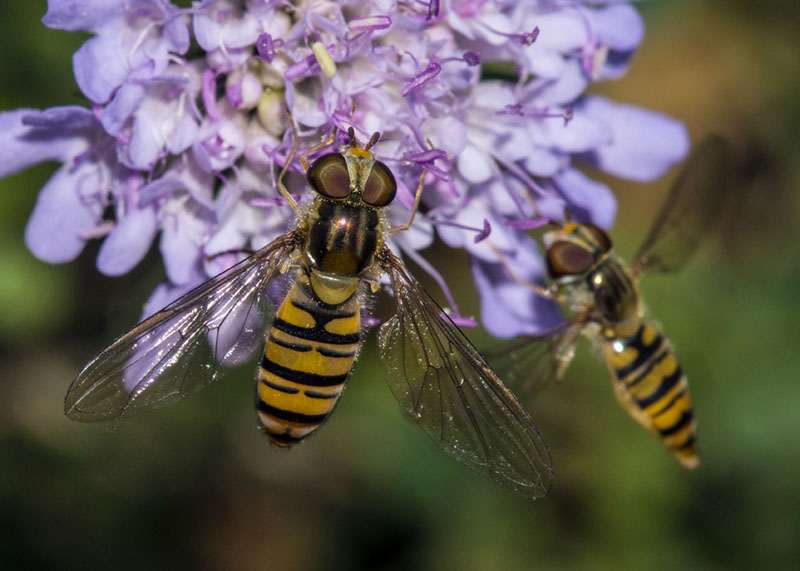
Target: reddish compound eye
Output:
{"points": [[568, 259], [380, 187], [328, 176], [603, 239]]}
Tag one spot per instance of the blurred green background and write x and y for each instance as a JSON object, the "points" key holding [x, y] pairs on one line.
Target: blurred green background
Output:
{"points": [[196, 486]]}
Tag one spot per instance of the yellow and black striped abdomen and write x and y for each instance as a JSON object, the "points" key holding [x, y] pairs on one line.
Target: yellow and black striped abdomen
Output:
{"points": [[310, 349], [651, 386]]}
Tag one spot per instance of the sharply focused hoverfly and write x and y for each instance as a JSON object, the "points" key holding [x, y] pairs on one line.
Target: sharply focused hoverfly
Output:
{"points": [[334, 256], [602, 294]]}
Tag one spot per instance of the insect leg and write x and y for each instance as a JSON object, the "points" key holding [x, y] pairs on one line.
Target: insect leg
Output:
{"points": [[417, 197], [321, 145], [550, 292], [296, 145], [414, 208], [563, 349]]}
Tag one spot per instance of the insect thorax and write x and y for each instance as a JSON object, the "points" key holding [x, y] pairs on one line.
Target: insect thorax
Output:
{"points": [[616, 300], [343, 238]]}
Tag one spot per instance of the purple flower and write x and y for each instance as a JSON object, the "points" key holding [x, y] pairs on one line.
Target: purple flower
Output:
{"points": [[183, 145]]}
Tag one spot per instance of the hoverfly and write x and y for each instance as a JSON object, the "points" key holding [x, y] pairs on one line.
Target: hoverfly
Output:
{"points": [[602, 295], [333, 256]]}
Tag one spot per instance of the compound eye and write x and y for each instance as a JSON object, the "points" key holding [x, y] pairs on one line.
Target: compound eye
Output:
{"points": [[328, 176], [380, 187], [568, 259], [600, 236]]}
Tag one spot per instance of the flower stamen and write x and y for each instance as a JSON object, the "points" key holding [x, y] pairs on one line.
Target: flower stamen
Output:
{"points": [[433, 10], [422, 78], [425, 157], [526, 39], [324, 59], [369, 23], [209, 93], [265, 46]]}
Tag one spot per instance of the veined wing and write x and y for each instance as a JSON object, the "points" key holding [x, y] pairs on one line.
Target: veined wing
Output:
{"points": [[530, 363], [689, 210], [178, 350], [441, 380]]}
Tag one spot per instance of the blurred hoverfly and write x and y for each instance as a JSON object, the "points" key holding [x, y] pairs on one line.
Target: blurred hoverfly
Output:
{"points": [[334, 255], [602, 294]]}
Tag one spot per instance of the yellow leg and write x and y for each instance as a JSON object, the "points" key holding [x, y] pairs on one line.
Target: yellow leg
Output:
{"points": [[417, 194], [325, 143], [296, 145], [414, 208]]}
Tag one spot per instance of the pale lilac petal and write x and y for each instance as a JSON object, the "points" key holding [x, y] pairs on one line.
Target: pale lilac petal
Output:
{"points": [[619, 26], [185, 227], [28, 136], [126, 100], [570, 82], [583, 133], [166, 293], [99, 67], [197, 182], [159, 126], [145, 146], [501, 196], [128, 242], [219, 143], [471, 220], [509, 309], [63, 119], [514, 143], [181, 255], [589, 199], [176, 34], [546, 63], [183, 134], [616, 65], [159, 189], [474, 165], [494, 95], [230, 30], [416, 238], [105, 61], [644, 144], [561, 31], [54, 230], [541, 161], [165, 120], [87, 15], [231, 232], [449, 132]]}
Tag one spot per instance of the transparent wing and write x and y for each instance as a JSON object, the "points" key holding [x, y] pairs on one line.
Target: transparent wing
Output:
{"points": [[179, 349], [439, 378], [530, 363], [689, 210]]}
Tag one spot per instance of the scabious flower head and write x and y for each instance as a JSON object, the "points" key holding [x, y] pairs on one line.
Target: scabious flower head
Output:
{"points": [[187, 126]]}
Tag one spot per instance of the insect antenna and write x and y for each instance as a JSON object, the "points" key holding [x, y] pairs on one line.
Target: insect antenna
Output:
{"points": [[372, 140]]}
